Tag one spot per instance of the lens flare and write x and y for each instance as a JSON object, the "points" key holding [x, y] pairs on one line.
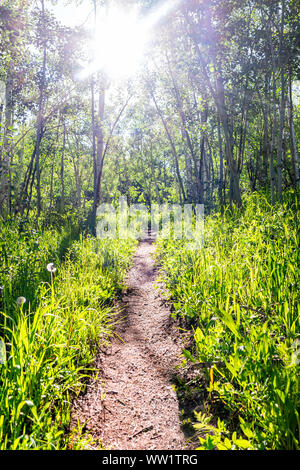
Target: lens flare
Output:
{"points": [[121, 36], [120, 40]]}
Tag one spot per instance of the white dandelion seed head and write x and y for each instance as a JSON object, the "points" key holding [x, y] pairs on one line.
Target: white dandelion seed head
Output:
{"points": [[51, 268], [21, 301]]}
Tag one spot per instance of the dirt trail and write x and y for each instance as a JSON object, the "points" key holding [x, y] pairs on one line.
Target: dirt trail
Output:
{"points": [[133, 405]]}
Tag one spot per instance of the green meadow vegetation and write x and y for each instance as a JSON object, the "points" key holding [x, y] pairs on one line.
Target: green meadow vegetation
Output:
{"points": [[55, 312], [160, 102], [239, 295]]}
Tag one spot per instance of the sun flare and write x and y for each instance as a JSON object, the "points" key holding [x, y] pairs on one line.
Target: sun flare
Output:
{"points": [[120, 41], [121, 36]]}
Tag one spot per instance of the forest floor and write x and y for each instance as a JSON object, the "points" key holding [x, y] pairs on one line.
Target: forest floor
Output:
{"points": [[132, 404]]}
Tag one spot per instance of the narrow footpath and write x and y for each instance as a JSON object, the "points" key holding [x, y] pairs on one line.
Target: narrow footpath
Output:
{"points": [[132, 404]]}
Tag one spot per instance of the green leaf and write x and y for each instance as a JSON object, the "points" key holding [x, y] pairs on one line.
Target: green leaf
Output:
{"points": [[188, 355], [243, 443], [221, 446], [227, 443], [198, 335], [247, 431], [229, 322]]}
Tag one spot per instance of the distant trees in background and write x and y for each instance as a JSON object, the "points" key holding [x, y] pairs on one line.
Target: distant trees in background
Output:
{"points": [[213, 112]]}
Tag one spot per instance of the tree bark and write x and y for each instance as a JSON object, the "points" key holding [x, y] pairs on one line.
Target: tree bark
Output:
{"points": [[294, 149], [221, 166], [62, 171], [6, 145], [282, 110], [39, 131], [280, 138]]}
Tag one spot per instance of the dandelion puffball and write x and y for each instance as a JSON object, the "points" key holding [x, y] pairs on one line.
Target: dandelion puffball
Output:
{"points": [[51, 268], [21, 301]]}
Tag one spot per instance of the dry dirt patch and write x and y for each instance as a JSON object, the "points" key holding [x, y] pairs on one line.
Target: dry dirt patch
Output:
{"points": [[132, 405]]}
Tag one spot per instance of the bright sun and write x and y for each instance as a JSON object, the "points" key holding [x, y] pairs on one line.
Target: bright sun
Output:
{"points": [[120, 41], [121, 36]]}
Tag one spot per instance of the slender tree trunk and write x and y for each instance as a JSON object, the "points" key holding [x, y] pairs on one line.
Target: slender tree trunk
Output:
{"points": [[21, 167], [153, 173], [202, 162], [211, 174], [294, 150], [221, 166], [173, 148], [282, 108], [30, 174], [273, 136], [39, 131], [62, 171], [201, 176], [56, 148], [192, 187], [235, 194], [102, 150], [280, 138], [78, 182], [243, 129], [266, 143], [268, 28], [93, 132], [6, 145], [100, 143], [51, 186], [265, 148]]}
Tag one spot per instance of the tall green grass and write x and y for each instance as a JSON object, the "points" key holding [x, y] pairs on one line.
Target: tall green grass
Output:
{"points": [[240, 296], [24, 251], [51, 340]]}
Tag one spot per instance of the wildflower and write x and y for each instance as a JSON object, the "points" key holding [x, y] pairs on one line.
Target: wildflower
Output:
{"points": [[21, 301], [51, 268]]}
